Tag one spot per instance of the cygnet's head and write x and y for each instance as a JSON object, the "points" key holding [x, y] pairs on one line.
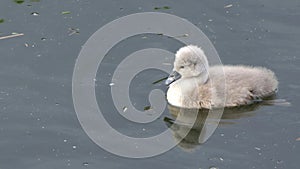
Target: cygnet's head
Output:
{"points": [[190, 61]]}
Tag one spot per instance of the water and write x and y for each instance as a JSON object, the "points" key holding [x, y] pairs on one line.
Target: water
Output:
{"points": [[38, 123]]}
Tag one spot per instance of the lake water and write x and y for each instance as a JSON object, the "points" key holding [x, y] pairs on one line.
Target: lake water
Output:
{"points": [[38, 123]]}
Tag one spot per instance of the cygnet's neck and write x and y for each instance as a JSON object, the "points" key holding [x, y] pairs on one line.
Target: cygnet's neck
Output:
{"points": [[183, 92], [190, 83], [198, 80], [201, 79]]}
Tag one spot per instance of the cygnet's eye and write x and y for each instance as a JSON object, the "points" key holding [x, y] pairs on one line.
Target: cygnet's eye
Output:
{"points": [[181, 67]]}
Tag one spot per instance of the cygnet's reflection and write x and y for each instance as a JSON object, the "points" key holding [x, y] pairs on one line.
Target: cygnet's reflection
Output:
{"points": [[194, 126]]}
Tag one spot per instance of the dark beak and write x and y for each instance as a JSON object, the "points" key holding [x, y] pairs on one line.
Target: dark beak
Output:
{"points": [[172, 78]]}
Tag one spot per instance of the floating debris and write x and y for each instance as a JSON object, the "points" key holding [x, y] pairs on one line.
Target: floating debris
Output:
{"points": [[19, 1], [35, 14], [257, 148], [65, 12], [210, 20], [178, 36], [74, 147], [73, 31], [11, 36], [164, 7], [159, 80], [112, 84], [147, 108], [228, 6], [279, 161], [43, 39], [213, 167], [182, 36], [1, 20], [85, 164], [65, 140], [125, 109]]}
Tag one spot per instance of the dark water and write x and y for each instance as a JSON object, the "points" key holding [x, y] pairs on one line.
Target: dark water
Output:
{"points": [[38, 123]]}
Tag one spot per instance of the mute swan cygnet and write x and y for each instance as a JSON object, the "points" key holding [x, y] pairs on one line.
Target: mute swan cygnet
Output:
{"points": [[193, 84]]}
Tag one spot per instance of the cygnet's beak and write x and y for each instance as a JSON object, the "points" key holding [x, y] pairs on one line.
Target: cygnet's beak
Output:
{"points": [[172, 78]]}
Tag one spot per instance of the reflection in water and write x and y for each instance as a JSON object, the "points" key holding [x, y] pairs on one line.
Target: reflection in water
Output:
{"points": [[193, 132]]}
